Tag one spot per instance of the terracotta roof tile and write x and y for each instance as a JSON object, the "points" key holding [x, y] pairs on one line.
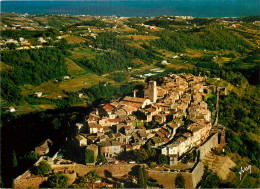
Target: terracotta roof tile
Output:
{"points": [[114, 120], [134, 99], [159, 133], [108, 107]]}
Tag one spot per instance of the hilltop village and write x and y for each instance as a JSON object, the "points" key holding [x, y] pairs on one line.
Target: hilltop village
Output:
{"points": [[182, 125], [179, 98]]}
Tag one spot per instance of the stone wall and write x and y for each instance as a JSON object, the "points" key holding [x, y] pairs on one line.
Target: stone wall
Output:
{"points": [[197, 174], [30, 182], [164, 178], [210, 143], [115, 170], [167, 179]]}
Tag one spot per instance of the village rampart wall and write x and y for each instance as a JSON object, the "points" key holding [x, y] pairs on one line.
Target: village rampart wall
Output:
{"points": [[206, 147], [167, 179], [115, 170], [30, 182]]}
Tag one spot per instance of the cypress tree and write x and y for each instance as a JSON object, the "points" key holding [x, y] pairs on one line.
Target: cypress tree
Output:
{"points": [[140, 178], [180, 181], [145, 176], [14, 161]]}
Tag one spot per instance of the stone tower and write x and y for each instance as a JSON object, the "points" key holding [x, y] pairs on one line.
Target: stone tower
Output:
{"points": [[151, 92]]}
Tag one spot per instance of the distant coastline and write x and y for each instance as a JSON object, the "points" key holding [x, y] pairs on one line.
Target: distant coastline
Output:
{"points": [[131, 8]]}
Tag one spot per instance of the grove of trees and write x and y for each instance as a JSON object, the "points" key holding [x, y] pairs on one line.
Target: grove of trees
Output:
{"points": [[30, 66], [42, 169], [58, 180]]}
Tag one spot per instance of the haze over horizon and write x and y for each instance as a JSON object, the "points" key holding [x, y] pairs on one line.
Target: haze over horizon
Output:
{"points": [[130, 8]]}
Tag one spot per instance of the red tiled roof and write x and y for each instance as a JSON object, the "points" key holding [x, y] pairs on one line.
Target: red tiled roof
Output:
{"points": [[127, 127], [134, 99], [114, 120], [132, 104], [164, 132], [150, 109], [140, 127], [165, 139], [95, 126], [159, 133], [187, 135], [108, 107]]}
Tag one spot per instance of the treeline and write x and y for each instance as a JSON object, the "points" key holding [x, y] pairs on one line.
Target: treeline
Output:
{"points": [[94, 22], [244, 19], [202, 21], [215, 38], [30, 66], [165, 23], [15, 34]]}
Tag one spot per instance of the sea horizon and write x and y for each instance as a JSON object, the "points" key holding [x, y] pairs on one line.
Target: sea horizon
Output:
{"points": [[132, 8]]}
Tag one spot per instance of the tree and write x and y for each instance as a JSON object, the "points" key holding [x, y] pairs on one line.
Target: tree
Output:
{"points": [[80, 183], [56, 123], [14, 161], [152, 164], [150, 151], [162, 159], [58, 180], [42, 169], [31, 156], [145, 175], [101, 158], [11, 46], [89, 158], [180, 181], [141, 155], [92, 176], [209, 179], [142, 177]]}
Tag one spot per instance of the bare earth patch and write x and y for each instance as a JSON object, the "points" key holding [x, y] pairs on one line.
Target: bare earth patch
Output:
{"points": [[74, 39], [219, 164], [143, 37]]}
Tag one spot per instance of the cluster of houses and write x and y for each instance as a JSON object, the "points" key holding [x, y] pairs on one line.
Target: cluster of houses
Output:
{"points": [[122, 125], [23, 43]]}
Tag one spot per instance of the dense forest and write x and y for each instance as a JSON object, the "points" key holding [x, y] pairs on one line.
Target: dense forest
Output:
{"points": [[105, 63], [30, 66]]}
